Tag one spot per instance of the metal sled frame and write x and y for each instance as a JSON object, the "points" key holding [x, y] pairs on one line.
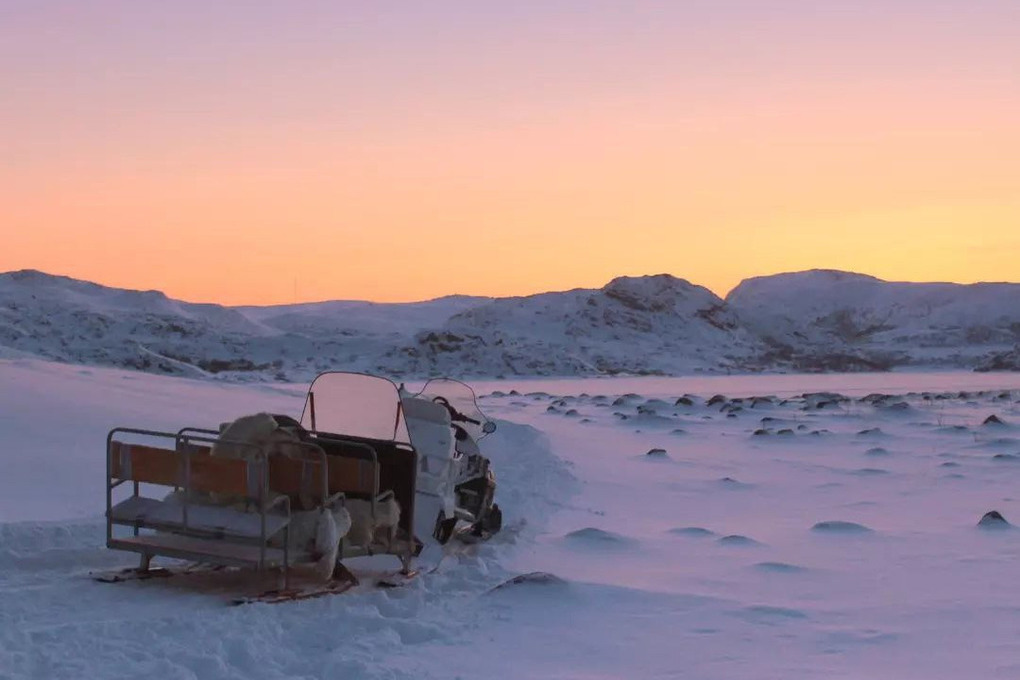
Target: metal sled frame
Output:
{"points": [[194, 531], [226, 535]]}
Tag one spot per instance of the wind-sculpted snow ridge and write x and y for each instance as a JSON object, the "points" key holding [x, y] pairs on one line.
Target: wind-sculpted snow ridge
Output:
{"points": [[653, 325]]}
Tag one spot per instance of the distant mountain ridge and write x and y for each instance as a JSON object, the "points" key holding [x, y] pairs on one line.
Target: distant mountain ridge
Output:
{"points": [[816, 320], [654, 324], [825, 313]]}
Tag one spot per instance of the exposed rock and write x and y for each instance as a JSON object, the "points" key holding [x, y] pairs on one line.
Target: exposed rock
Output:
{"points": [[1002, 361], [993, 519], [535, 578], [841, 527]]}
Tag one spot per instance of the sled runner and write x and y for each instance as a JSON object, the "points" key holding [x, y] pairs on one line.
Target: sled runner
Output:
{"points": [[369, 469]]}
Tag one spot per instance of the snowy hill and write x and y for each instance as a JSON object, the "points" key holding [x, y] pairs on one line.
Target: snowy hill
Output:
{"points": [[643, 325], [845, 320], [61, 318], [339, 316], [56, 317], [818, 320]]}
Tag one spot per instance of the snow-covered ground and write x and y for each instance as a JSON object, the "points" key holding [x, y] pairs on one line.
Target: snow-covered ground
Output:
{"points": [[840, 541]]}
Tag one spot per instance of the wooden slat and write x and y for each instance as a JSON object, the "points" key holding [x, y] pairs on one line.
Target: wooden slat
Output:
{"points": [[351, 476], [348, 475], [152, 465], [146, 464], [228, 476]]}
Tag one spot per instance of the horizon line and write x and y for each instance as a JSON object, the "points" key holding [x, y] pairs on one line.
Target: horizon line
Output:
{"points": [[169, 296]]}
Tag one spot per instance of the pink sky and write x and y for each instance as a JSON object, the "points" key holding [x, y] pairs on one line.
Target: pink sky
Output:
{"points": [[266, 152]]}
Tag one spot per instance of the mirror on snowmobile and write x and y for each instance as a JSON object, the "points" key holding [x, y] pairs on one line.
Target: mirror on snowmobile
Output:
{"points": [[489, 427]]}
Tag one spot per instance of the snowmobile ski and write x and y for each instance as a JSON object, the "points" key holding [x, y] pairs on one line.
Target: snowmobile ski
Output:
{"points": [[131, 574], [295, 594], [397, 580], [136, 574]]}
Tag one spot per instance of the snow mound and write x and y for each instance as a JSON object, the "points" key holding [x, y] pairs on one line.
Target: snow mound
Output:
{"points": [[779, 568], [841, 527], [768, 614], [592, 537], [542, 579], [694, 532], [993, 519]]}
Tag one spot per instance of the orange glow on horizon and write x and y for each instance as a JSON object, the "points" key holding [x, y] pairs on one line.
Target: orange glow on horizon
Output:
{"points": [[391, 166]]}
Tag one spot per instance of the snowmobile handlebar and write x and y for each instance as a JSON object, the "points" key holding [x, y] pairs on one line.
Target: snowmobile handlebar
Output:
{"points": [[455, 415]]}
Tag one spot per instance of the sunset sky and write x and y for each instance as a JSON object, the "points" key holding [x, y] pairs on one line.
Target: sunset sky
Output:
{"points": [[267, 152]]}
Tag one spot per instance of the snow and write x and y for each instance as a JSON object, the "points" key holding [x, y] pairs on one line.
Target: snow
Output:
{"points": [[826, 312], [405, 318], [848, 547], [651, 325]]}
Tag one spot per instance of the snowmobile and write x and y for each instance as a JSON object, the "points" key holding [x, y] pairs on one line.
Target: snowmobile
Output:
{"points": [[368, 469], [456, 485]]}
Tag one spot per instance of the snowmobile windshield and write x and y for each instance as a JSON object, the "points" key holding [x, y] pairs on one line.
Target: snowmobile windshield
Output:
{"points": [[461, 402], [356, 405]]}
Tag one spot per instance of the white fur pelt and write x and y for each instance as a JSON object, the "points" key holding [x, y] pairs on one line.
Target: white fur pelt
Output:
{"points": [[377, 531], [242, 438], [259, 430], [318, 532], [330, 528]]}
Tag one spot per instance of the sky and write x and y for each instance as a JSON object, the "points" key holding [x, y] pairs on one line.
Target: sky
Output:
{"points": [[272, 152]]}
